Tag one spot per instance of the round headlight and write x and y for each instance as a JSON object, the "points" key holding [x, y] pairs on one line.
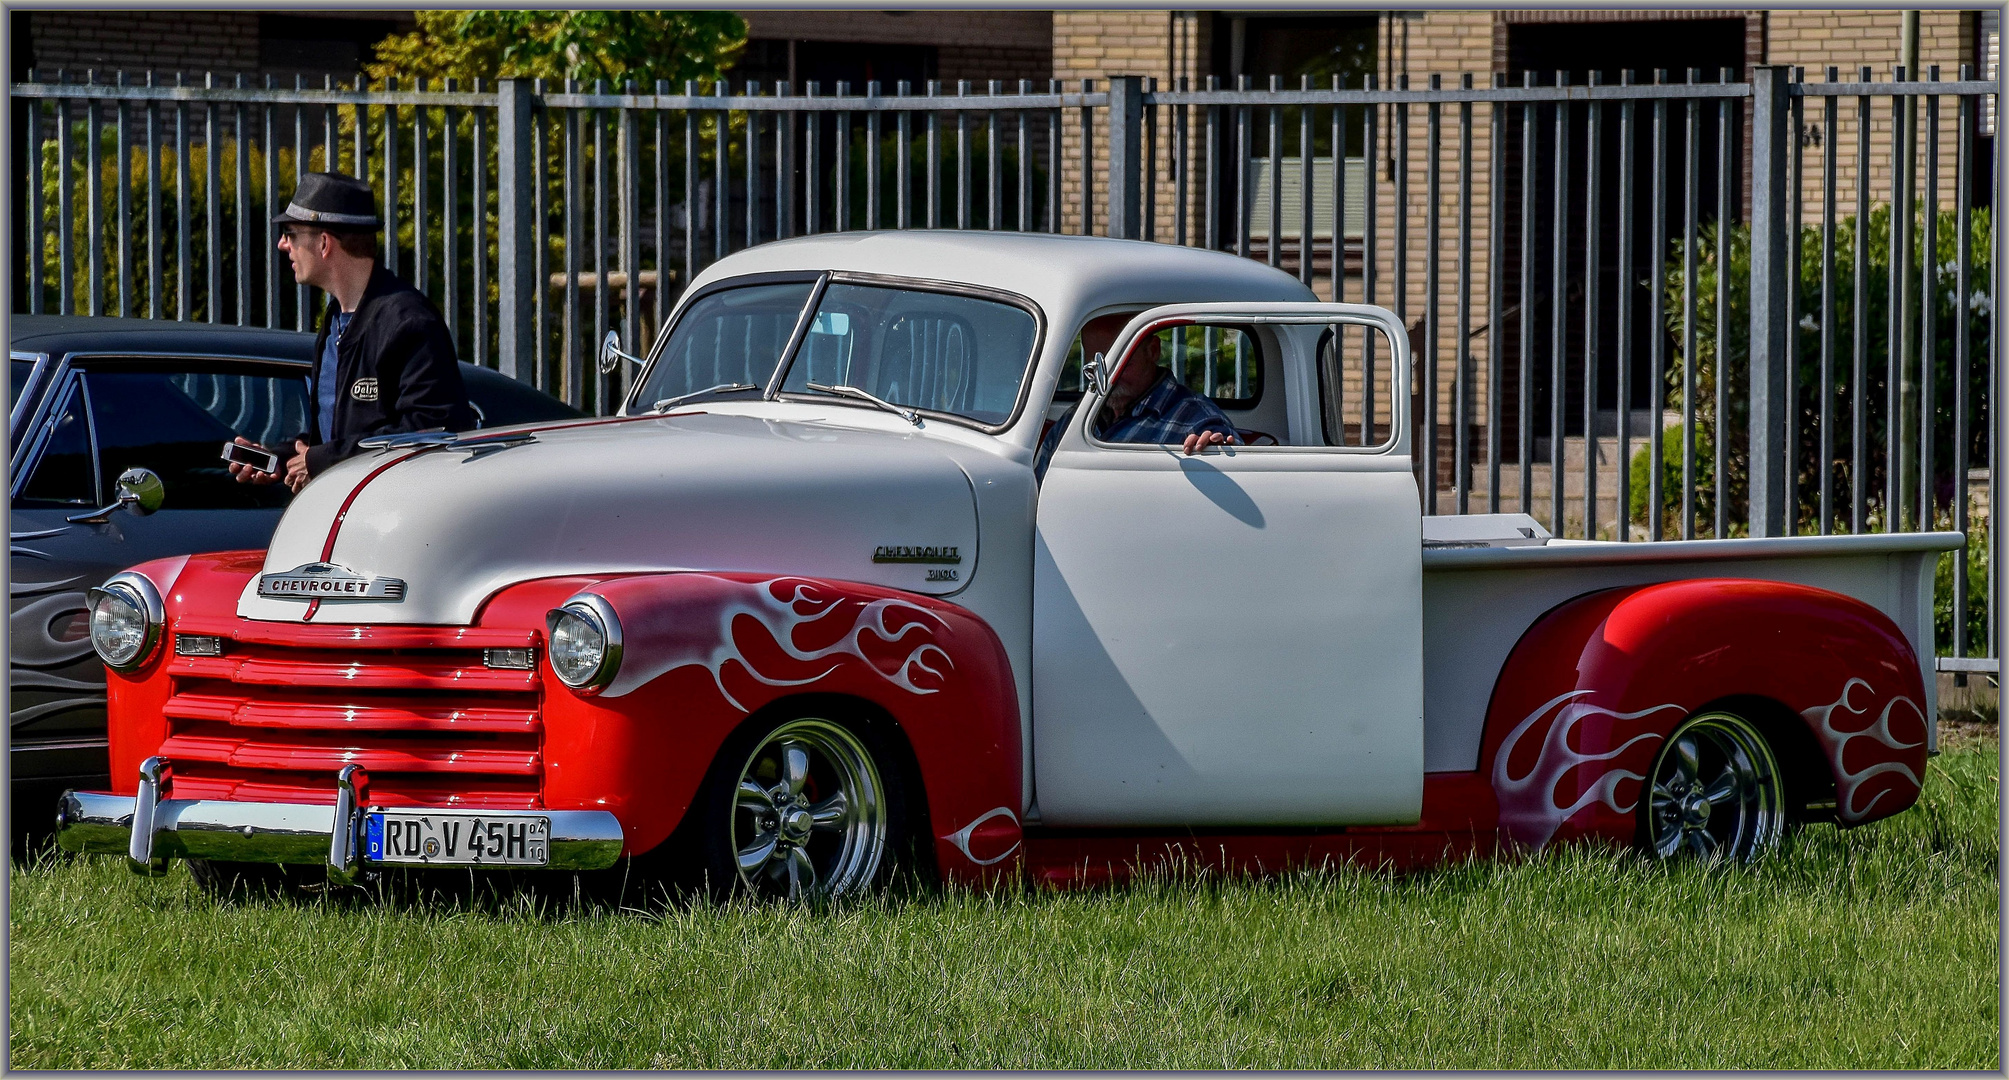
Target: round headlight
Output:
{"points": [[126, 616], [585, 643]]}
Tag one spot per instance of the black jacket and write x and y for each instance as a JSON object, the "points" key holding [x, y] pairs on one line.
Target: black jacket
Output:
{"points": [[397, 370]]}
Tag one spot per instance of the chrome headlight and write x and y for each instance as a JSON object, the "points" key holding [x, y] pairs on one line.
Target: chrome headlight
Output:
{"points": [[126, 617], [585, 643]]}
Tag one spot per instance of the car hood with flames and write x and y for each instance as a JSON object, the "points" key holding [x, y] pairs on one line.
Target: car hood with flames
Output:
{"points": [[425, 534]]}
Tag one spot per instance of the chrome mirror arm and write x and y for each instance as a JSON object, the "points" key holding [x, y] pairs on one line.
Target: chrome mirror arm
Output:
{"points": [[611, 354], [140, 491]]}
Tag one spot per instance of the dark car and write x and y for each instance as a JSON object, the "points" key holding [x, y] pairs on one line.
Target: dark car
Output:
{"points": [[90, 398]]}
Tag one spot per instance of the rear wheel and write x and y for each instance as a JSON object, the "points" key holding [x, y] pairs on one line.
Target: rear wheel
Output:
{"points": [[1715, 793], [805, 807]]}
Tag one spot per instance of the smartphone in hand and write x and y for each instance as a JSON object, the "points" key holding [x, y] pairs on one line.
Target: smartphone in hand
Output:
{"points": [[263, 460]]}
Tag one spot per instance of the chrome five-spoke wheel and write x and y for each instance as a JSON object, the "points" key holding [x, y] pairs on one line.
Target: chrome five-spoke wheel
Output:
{"points": [[809, 813], [1715, 792]]}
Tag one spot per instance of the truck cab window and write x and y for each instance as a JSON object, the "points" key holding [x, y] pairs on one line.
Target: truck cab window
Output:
{"points": [[730, 336]]}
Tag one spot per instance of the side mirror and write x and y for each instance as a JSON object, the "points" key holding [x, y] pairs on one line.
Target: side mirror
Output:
{"points": [[1094, 377], [611, 354], [140, 491]]}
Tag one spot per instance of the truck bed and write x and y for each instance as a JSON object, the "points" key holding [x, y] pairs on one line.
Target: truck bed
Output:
{"points": [[1479, 600]]}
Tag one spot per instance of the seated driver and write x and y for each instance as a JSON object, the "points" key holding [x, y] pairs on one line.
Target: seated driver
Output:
{"points": [[1146, 404]]}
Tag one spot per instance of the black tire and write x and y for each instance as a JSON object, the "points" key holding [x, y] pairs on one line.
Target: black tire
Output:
{"points": [[1715, 792], [835, 823]]}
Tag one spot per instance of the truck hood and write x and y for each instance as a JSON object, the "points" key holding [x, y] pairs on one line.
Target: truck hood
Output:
{"points": [[692, 491]]}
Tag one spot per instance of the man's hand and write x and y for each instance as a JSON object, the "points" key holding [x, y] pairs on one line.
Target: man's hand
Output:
{"points": [[296, 467], [1200, 440], [245, 474]]}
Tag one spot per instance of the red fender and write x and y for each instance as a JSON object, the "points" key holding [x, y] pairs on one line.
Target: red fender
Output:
{"points": [[703, 651], [1592, 690]]}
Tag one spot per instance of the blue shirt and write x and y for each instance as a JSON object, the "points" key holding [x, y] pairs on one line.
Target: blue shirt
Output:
{"points": [[324, 377], [1166, 413]]}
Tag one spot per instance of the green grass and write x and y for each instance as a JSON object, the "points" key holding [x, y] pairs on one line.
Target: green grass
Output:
{"points": [[1873, 948]]}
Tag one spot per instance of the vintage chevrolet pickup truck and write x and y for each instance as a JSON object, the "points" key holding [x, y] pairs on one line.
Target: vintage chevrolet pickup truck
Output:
{"points": [[811, 609]]}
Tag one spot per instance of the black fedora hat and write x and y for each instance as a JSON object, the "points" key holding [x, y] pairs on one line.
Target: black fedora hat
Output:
{"points": [[331, 199]]}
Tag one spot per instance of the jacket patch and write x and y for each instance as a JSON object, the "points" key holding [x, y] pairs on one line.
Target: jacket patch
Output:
{"points": [[364, 390]]}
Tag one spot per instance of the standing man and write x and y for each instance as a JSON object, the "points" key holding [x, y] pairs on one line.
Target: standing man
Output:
{"points": [[384, 362]]}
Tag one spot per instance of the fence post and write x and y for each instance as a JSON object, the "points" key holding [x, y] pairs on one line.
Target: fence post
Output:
{"points": [[516, 228], [1770, 319], [1126, 156]]}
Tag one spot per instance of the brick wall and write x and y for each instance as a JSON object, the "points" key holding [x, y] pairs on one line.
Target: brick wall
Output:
{"points": [[165, 41]]}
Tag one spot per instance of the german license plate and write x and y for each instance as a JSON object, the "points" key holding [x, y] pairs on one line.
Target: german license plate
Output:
{"points": [[434, 839]]}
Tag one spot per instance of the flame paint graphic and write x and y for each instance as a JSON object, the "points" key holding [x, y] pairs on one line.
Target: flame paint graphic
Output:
{"points": [[1529, 809], [701, 633], [1848, 785]]}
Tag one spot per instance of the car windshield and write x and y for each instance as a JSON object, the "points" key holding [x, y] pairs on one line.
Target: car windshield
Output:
{"points": [[934, 351], [730, 336]]}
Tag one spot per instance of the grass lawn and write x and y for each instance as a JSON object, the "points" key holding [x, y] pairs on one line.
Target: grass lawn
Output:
{"points": [[1874, 948]]}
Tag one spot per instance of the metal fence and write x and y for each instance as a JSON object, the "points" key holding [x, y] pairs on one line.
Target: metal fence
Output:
{"points": [[1681, 305]]}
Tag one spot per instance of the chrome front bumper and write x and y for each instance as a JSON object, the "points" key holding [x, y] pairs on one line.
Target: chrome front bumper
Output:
{"points": [[149, 830]]}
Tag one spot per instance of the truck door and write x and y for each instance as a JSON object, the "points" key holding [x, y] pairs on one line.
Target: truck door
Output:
{"points": [[1235, 638]]}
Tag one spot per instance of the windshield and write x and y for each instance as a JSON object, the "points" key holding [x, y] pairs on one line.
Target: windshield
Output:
{"points": [[728, 336], [935, 351]]}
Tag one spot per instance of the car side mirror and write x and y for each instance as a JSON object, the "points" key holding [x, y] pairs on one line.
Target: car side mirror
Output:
{"points": [[140, 491], [1094, 377], [611, 354]]}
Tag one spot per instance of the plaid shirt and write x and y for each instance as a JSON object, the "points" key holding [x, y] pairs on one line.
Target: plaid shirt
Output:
{"points": [[1166, 413]]}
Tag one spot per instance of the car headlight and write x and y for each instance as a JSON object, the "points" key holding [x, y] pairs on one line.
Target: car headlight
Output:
{"points": [[126, 617], [585, 643]]}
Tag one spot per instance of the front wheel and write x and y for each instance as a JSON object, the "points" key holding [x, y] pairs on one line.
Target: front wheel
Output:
{"points": [[1715, 792], [805, 808]]}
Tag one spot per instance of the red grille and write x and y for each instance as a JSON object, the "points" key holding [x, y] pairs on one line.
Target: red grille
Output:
{"points": [[274, 717]]}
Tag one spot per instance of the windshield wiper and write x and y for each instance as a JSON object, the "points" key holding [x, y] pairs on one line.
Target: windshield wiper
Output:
{"points": [[673, 402], [908, 415]]}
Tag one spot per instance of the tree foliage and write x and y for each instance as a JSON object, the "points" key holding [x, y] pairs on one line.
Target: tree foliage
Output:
{"points": [[611, 45]]}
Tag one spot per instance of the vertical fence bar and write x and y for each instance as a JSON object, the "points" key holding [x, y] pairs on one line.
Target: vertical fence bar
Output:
{"points": [[1461, 419], [1795, 214], [1024, 165], [122, 178], [871, 158], [1928, 300], [1149, 206], [1338, 239], [628, 151], [184, 300], [212, 198], [390, 144], [66, 265], [270, 207], [1895, 324], [1433, 142], [519, 238], [478, 224], [362, 142], [1656, 261], [1559, 318], [156, 296], [1963, 164], [602, 303], [1126, 143], [994, 161], [1182, 171], [1691, 206], [812, 175], [1371, 118], [94, 224], [842, 161], [1627, 140], [420, 182], [449, 233], [38, 268], [301, 300], [721, 191], [933, 157], [1825, 467], [1275, 153], [1211, 215], [1771, 321], [1053, 125], [1244, 145], [1719, 500], [1593, 238], [903, 162], [1087, 161], [753, 169], [539, 231], [243, 208], [1306, 245], [572, 374], [1859, 375], [1496, 286], [663, 205], [1530, 116], [784, 171], [963, 155]]}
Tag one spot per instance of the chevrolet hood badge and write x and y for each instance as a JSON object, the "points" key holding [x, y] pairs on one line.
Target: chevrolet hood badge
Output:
{"points": [[327, 581]]}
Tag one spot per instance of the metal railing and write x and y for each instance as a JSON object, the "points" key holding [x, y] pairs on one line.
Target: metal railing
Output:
{"points": [[1607, 283]]}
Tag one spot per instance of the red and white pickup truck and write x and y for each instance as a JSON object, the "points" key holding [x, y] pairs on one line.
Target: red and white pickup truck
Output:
{"points": [[814, 606]]}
